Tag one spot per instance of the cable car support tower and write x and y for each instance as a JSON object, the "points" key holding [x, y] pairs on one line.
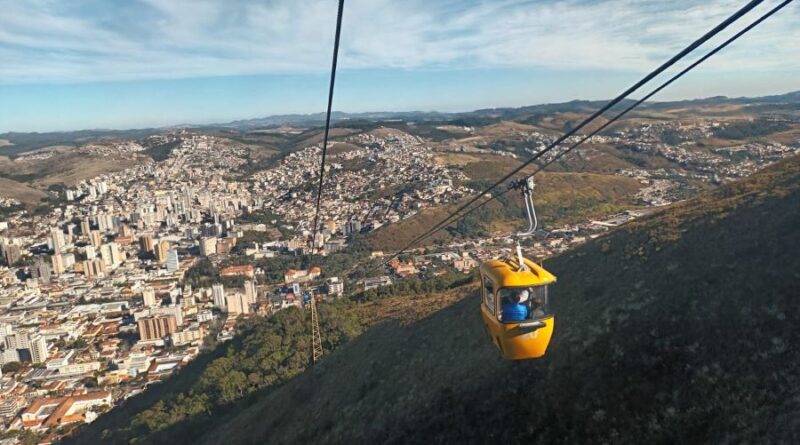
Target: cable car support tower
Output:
{"points": [[316, 337]]}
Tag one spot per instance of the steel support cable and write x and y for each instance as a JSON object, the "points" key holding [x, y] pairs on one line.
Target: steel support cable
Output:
{"points": [[667, 83], [327, 130], [637, 103], [741, 12]]}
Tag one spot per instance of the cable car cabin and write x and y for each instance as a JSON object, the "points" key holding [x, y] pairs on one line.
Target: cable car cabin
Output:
{"points": [[515, 307]]}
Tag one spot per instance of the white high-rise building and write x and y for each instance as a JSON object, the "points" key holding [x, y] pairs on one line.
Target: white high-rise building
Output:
{"points": [[6, 329], [33, 342], [69, 260], [149, 297], [237, 304], [173, 263], [38, 348], [111, 254], [86, 228], [58, 264], [250, 291], [10, 355], [57, 240], [208, 246], [105, 222], [91, 253], [335, 286], [218, 293], [117, 255], [17, 341]]}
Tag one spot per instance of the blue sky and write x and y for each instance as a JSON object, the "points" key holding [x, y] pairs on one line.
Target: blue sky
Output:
{"points": [[128, 64]]}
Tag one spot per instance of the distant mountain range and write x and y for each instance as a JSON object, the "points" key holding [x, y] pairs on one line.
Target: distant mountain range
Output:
{"points": [[505, 112], [30, 141]]}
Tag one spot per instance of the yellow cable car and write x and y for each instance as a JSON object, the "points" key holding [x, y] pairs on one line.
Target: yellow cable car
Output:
{"points": [[514, 297], [504, 286]]}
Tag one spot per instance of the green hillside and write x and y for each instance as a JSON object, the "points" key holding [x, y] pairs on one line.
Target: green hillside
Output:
{"points": [[682, 327]]}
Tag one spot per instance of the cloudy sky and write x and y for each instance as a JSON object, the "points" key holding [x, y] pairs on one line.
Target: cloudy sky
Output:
{"points": [[123, 64]]}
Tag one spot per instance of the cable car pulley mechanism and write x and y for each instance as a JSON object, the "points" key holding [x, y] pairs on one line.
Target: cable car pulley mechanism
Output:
{"points": [[526, 185]]}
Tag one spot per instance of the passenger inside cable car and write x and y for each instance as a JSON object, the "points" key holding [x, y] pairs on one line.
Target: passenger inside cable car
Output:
{"points": [[514, 307], [520, 304]]}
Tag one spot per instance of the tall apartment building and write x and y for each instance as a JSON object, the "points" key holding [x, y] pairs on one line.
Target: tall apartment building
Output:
{"points": [[124, 230], [32, 342], [250, 291], [96, 238], [86, 228], [173, 262], [218, 294], [94, 268], [41, 269], [38, 348], [57, 240], [352, 227], [160, 326], [149, 297], [161, 251], [12, 253], [208, 246], [237, 304], [146, 244], [174, 310], [111, 254], [57, 262]]}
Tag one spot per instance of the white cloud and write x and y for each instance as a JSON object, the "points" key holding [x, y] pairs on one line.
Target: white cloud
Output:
{"points": [[50, 40]]}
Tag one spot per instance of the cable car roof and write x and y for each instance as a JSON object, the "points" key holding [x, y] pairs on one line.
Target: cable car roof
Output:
{"points": [[505, 273]]}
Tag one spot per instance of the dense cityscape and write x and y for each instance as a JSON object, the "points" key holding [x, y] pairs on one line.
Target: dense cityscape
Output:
{"points": [[134, 273]]}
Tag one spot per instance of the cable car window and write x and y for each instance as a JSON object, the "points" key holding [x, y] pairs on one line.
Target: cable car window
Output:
{"points": [[538, 304], [488, 294], [522, 303]]}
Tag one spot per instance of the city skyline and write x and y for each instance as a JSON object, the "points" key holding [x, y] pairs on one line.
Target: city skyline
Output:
{"points": [[154, 64]]}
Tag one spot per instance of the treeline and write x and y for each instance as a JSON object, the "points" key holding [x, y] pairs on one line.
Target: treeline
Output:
{"points": [[204, 274], [350, 263], [161, 152], [418, 286], [474, 224]]}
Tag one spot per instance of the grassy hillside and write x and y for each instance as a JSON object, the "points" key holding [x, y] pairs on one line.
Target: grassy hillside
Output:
{"points": [[14, 144], [681, 327], [20, 191], [562, 198], [27, 180]]}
